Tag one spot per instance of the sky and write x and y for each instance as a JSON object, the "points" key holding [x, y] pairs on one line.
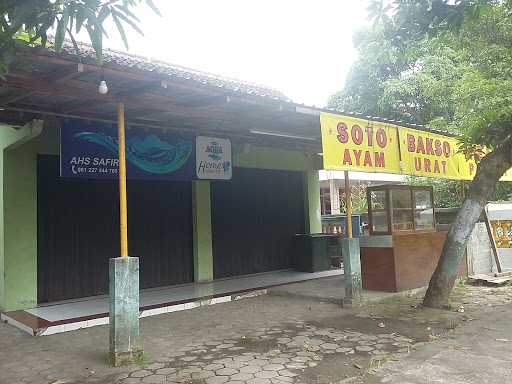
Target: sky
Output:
{"points": [[300, 47]]}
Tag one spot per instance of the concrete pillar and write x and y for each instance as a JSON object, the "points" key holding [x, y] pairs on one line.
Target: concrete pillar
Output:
{"points": [[352, 267], [334, 193], [125, 347], [312, 202], [202, 222]]}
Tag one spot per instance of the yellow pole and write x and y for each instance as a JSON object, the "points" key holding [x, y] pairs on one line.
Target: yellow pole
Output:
{"points": [[123, 217], [348, 204]]}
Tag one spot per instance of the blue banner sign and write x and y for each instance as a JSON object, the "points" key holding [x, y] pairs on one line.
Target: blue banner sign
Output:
{"points": [[91, 151]]}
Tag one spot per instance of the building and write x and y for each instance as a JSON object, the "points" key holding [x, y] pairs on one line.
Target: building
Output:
{"points": [[58, 233], [332, 186]]}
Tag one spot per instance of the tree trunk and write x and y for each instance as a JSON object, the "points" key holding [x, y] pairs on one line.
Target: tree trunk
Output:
{"points": [[490, 169]]}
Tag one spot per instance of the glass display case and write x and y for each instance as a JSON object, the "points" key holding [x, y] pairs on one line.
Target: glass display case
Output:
{"points": [[400, 208]]}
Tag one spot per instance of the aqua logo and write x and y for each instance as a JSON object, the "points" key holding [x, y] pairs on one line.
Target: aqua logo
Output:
{"points": [[214, 150]]}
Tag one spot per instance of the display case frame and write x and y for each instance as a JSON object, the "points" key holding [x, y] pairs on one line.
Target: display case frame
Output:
{"points": [[389, 208]]}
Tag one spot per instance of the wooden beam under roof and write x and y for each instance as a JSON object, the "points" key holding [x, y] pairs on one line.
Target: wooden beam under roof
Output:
{"points": [[88, 92], [58, 76], [67, 73], [15, 96]]}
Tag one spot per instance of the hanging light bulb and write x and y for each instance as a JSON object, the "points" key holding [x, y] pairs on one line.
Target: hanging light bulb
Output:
{"points": [[103, 88]]}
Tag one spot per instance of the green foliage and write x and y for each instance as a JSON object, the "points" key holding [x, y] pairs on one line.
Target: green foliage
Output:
{"points": [[416, 85], [379, 60], [28, 22], [359, 200], [448, 193], [447, 64]]}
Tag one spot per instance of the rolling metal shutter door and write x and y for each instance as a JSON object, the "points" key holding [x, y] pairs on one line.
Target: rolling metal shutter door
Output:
{"points": [[78, 231], [254, 218]]}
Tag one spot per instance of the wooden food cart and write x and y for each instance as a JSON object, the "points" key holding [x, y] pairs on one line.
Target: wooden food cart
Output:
{"points": [[403, 247]]}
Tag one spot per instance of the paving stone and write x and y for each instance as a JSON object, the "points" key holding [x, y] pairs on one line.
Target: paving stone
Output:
{"points": [[188, 358], [295, 366], [364, 348], [224, 361], [301, 359], [259, 380], [141, 373], [236, 348], [316, 342], [132, 380], [344, 350], [155, 366], [202, 375], [217, 379], [235, 364], [287, 373], [329, 346], [242, 376], [281, 380], [165, 371], [280, 360], [266, 374], [243, 358], [273, 367], [225, 346], [154, 379], [258, 362], [226, 371], [213, 367], [250, 369]]}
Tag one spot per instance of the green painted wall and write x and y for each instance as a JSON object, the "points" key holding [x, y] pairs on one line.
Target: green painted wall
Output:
{"points": [[19, 256], [202, 231], [274, 158], [312, 202]]}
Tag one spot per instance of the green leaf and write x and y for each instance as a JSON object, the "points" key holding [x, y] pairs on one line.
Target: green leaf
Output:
{"points": [[129, 22], [129, 14], [152, 5], [96, 38], [61, 29], [120, 28], [79, 19]]}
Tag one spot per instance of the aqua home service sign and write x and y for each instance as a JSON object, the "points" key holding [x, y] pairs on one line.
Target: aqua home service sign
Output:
{"points": [[213, 158], [91, 151]]}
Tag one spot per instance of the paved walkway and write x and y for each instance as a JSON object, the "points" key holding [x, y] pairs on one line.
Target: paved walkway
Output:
{"points": [[479, 352], [278, 340]]}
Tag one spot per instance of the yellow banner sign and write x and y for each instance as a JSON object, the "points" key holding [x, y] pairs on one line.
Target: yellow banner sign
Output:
{"points": [[428, 154], [359, 145], [354, 144], [467, 169]]}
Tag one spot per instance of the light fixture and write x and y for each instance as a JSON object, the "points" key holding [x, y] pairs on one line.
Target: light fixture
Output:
{"points": [[103, 88], [284, 135]]}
